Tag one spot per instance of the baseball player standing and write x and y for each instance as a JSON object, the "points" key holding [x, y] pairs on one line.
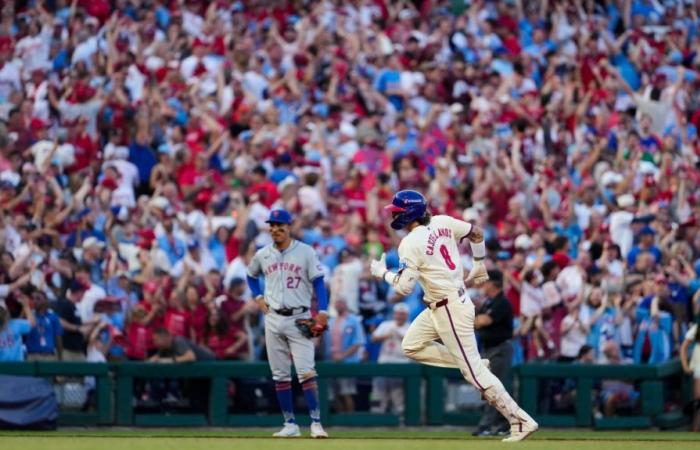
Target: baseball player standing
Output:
{"points": [[429, 255], [292, 273]]}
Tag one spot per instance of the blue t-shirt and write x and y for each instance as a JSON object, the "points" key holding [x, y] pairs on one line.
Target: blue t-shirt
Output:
{"points": [[352, 334], [327, 248], [388, 80], [175, 252], [42, 337], [144, 159], [636, 250], [217, 250], [11, 340]]}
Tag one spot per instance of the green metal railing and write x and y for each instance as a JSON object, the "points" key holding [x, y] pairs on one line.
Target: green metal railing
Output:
{"points": [[650, 379], [115, 392]]}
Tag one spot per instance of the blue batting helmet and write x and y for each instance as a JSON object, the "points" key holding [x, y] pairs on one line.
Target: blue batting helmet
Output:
{"points": [[406, 207]]}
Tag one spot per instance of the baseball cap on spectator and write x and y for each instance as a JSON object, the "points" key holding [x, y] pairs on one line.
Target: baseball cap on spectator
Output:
{"points": [[109, 183], [609, 178], [37, 124], [647, 231], [192, 244], [160, 202], [625, 201], [235, 282], [92, 242], [144, 244], [560, 259], [401, 307], [279, 216], [147, 234], [523, 242], [470, 215]]}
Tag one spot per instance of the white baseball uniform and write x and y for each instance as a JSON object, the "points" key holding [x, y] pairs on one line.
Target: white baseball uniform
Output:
{"points": [[430, 255]]}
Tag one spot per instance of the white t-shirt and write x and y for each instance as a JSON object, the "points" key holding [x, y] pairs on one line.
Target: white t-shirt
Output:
{"points": [[9, 79], [86, 305], [34, 50], [433, 252], [621, 231], [391, 351], [199, 268], [570, 282], [345, 283], [573, 340], [124, 195], [531, 300], [311, 200], [84, 51]]}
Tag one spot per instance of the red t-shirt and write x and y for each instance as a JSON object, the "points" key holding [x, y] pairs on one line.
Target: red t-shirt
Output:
{"points": [[267, 190], [139, 341], [197, 319], [158, 321], [219, 344], [231, 307], [177, 322], [85, 152]]}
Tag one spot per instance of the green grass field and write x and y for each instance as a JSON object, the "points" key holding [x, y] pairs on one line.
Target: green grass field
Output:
{"points": [[408, 439]]}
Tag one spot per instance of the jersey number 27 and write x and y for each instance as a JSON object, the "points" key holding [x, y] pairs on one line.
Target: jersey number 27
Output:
{"points": [[293, 282]]}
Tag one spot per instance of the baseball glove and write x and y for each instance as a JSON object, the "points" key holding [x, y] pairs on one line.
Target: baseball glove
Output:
{"points": [[310, 328]]}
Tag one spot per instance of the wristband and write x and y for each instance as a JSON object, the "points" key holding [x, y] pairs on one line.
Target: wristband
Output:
{"points": [[391, 277], [478, 250]]}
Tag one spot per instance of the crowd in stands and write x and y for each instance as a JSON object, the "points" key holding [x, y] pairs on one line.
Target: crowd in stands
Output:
{"points": [[143, 144]]}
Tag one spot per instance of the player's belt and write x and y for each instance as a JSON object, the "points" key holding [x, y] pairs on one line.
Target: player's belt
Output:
{"points": [[444, 301], [291, 311]]}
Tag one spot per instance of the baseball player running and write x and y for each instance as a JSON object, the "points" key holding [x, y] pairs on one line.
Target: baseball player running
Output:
{"points": [[429, 255], [291, 270]]}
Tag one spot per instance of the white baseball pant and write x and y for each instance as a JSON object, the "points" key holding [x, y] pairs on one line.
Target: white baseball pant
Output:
{"points": [[453, 324]]}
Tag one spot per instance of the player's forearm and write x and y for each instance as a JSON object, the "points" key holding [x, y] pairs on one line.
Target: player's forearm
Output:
{"points": [[403, 282], [476, 242]]}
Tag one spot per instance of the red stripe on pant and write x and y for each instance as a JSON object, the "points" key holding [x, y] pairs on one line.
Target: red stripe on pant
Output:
{"points": [[452, 325], [283, 386]]}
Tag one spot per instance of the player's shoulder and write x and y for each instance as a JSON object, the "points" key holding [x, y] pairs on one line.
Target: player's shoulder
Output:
{"points": [[264, 250], [441, 219], [303, 247]]}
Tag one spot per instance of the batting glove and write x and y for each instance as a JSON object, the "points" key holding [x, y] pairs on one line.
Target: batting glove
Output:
{"points": [[378, 267], [478, 275]]}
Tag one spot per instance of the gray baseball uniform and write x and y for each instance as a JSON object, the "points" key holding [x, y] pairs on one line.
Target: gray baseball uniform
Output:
{"points": [[289, 279]]}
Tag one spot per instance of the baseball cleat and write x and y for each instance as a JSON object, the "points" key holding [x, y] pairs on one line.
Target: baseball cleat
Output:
{"points": [[317, 431], [289, 430], [521, 430]]}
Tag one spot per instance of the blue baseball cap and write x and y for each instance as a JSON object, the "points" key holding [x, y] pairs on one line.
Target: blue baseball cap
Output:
{"points": [[647, 230], [280, 216]]}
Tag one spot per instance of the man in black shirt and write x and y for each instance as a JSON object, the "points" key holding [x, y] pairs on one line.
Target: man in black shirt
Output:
{"points": [[494, 325], [73, 327], [177, 349]]}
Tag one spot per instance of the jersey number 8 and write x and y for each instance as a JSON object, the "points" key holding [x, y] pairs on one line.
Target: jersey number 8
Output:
{"points": [[446, 256]]}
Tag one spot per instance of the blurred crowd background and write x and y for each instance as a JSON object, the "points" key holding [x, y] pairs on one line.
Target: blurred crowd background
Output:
{"points": [[143, 144]]}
